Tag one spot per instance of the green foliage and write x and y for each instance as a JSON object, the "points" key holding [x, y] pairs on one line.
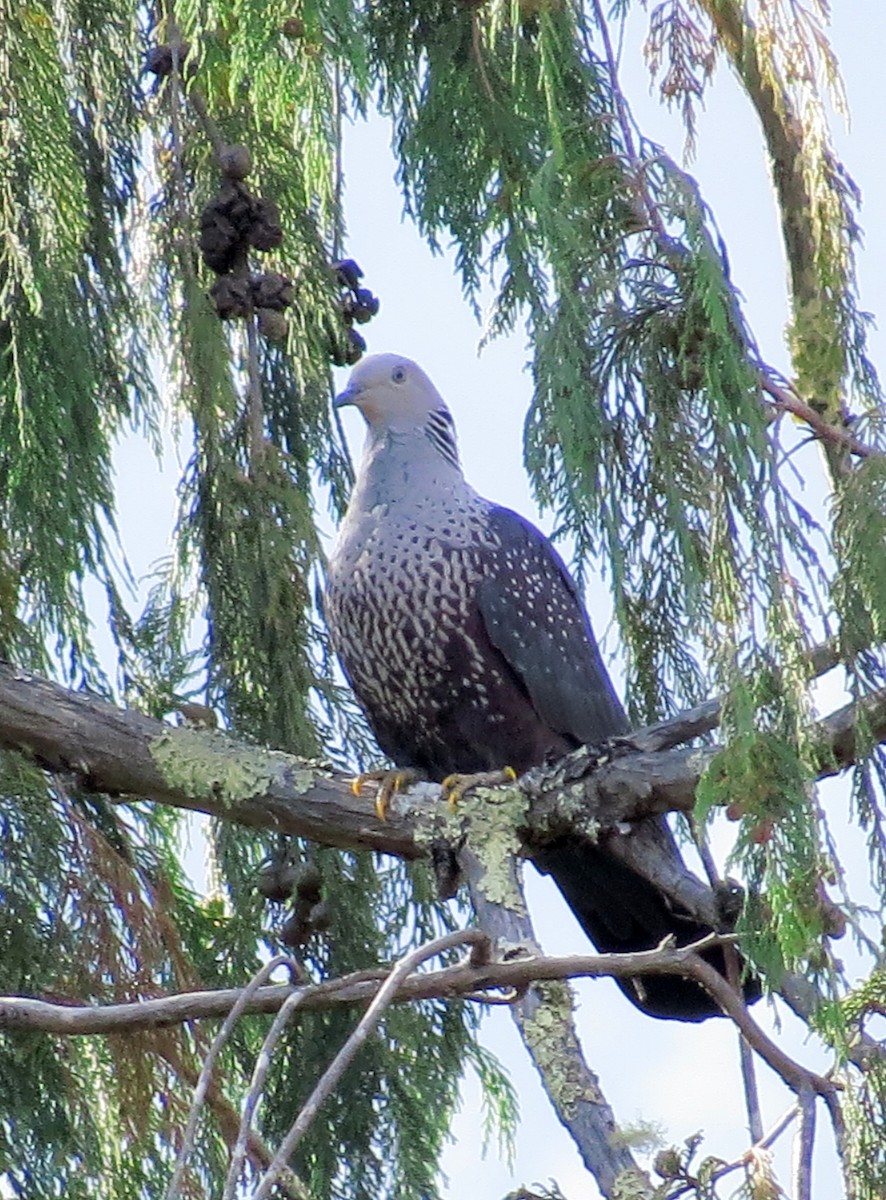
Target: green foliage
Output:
{"points": [[94, 909], [73, 365], [646, 436]]}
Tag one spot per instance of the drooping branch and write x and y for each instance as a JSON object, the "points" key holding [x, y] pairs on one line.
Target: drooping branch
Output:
{"points": [[544, 1016]]}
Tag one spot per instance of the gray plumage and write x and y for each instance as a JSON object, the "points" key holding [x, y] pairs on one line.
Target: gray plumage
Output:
{"points": [[468, 647]]}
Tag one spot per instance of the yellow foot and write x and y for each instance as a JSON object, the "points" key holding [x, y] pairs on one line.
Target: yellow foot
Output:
{"points": [[455, 786], [390, 781]]}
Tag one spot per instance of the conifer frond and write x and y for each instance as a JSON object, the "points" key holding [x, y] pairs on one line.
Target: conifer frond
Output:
{"points": [[648, 436]]}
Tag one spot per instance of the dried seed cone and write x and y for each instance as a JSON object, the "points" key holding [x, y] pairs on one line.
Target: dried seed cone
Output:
{"points": [[272, 324], [236, 162], [232, 297]]}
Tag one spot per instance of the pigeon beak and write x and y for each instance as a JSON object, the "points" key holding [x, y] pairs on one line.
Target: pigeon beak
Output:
{"points": [[351, 395]]}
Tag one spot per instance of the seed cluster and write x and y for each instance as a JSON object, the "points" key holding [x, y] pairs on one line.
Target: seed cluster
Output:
{"points": [[284, 881], [160, 60], [357, 306], [237, 222], [234, 222]]}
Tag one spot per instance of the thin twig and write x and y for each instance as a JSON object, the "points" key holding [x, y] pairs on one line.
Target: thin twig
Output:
{"points": [[751, 1092], [650, 215], [331, 1077], [745, 1055], [787, 400], [769, 1139], [187, 1146], [794, 1075], [256, 1084], [255, 413], [702, 845], [835, 1112], [183, 239], [337, 235], [736, 1164], [804, 1143], [338, 189], [194, 95]]}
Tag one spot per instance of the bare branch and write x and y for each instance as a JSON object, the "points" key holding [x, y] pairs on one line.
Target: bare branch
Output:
{"points": [[124, 753], [795, 1076], [695, 722], [202, 1088], [803, 1146], [332, 1075], [751, 1091], [256, 1085]]}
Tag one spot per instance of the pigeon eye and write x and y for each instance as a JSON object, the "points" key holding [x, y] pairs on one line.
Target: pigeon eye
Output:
{"points": [[398, 374]]}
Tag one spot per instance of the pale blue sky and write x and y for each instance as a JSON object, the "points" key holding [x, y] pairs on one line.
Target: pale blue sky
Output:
{"points": [[684, 1077]]}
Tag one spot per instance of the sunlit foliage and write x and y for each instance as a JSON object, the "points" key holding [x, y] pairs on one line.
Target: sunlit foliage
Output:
{"points": [[648, 436]]}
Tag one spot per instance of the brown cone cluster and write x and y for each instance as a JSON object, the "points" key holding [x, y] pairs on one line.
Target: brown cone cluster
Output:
{"points": [[283, 881], [160, 60], [234, 222]]}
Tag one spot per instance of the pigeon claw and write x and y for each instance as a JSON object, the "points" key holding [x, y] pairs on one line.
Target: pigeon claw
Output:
{"points": [[455, 786], [390, 780]]}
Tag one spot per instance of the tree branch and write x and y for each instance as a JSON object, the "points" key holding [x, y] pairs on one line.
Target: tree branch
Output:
{"points": [[463, 979], [514, 976], [544, 1017], [785, 399], [124, 753]]}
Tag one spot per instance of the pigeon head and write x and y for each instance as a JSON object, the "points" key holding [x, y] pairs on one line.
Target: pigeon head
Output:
{"points": [[392, 392], [398, 401]]}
